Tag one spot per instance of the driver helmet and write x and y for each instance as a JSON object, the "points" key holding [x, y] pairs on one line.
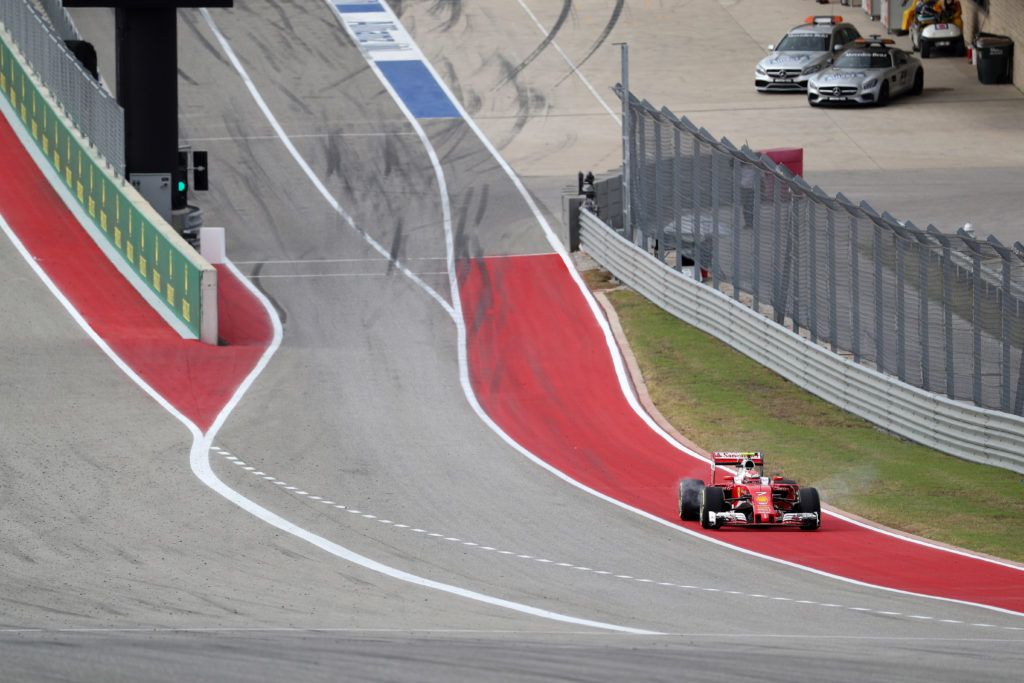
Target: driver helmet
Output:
{"points": [[749, 470]]}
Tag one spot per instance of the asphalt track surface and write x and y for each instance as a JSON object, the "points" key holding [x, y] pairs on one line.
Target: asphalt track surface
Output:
{"points": [[120, 564]]}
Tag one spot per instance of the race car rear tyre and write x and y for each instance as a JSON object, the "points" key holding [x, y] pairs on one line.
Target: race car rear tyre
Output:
{"points": [[712, 499], [689, 499], [918, 83], [961, 48], [926, 49], [883, 94], [809, 502]]}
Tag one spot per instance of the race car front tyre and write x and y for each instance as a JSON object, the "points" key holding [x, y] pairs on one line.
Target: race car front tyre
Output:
{"points": [[712, 499], [926, 49], [809, 502], [689, 499]]}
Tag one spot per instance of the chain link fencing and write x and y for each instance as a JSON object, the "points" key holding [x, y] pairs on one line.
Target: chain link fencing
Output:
{"points": [[94, 112], [942, 312]]}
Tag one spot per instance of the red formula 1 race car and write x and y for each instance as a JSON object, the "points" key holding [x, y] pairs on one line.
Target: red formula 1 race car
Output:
{"points": [[747, 497]]}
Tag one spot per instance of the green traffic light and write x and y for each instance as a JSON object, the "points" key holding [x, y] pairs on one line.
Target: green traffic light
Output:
{"points": [[181, 186]]}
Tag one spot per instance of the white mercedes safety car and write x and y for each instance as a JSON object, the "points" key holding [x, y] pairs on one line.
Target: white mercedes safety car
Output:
{"points": [[872, 71], [803, 51]]}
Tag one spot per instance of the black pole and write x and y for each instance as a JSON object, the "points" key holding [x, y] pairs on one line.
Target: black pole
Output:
{"points": [[147, 88]]}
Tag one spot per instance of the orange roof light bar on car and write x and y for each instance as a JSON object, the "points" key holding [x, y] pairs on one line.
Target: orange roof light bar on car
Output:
{"points": [[821, 19]]}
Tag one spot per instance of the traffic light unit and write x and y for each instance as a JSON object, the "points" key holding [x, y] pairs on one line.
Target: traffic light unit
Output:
{"points": [[196, 162]]}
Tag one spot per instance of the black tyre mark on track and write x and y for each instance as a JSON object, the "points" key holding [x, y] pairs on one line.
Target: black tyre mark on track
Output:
{"points": [[396, 246], [527, 101], [482, 208], [609, 27], [185, 77], [563, 15], [454, 9], [214, 50], [333, 154], [286, 24], [471, 101]]}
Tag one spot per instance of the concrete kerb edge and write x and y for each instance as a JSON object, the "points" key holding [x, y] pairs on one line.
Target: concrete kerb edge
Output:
{"points": [[636, 377]]}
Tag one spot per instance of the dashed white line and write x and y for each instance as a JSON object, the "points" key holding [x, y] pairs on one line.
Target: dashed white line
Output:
{"points": [[625, 577]]}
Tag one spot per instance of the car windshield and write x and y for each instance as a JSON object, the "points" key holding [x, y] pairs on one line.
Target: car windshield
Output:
{"points": [[803, 43], [863, 60]]}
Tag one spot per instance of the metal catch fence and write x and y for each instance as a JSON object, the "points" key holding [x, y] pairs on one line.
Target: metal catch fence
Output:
{"points": [[94, 112], [943, 312]]}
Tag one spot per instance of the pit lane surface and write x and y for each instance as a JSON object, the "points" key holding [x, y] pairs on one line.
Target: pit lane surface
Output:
{"points": [[362, 406]]}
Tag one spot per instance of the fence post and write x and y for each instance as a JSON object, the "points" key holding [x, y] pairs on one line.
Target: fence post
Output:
{"points": [[901, 306], [855, 286], [833, 280], [659, 223], [923, 303], [627, 137], [901, 311], [777, 304], [1005, 400], [812, 270], [697, 218], [1005, 297], [639, 138], [947, 309], [677, 191], [716, 205], [879, 299], [976, 321], [1018, 402], [737, 223], [755, 285]]}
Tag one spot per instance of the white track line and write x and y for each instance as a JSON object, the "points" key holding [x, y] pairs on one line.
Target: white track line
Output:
{"points": [[569, 565], [313, 178], [200, 451], [200, 463]]}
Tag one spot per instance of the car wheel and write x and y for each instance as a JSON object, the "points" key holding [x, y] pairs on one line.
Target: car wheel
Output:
{"points": [[809, 502], [918, 83], [712, 499], [689, 498], [883, 94], [926, 49], [961, 48]]}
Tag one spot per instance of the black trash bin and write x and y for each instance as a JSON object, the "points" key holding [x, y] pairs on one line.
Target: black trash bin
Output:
{"points": [[995, 58]]}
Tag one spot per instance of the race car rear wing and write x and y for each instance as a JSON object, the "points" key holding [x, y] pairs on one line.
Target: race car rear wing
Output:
{"points": [[730, 458], [735, 459]]}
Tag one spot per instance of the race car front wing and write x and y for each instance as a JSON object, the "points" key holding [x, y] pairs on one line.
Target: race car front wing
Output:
{"points": [[740, 519]]}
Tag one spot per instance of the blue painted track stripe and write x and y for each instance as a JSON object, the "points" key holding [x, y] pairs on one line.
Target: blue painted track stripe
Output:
{"points": [[352, 7], [418, 89]]}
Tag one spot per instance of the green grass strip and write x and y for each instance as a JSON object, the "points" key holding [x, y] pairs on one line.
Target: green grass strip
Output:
{"points": [[722, 400]]}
